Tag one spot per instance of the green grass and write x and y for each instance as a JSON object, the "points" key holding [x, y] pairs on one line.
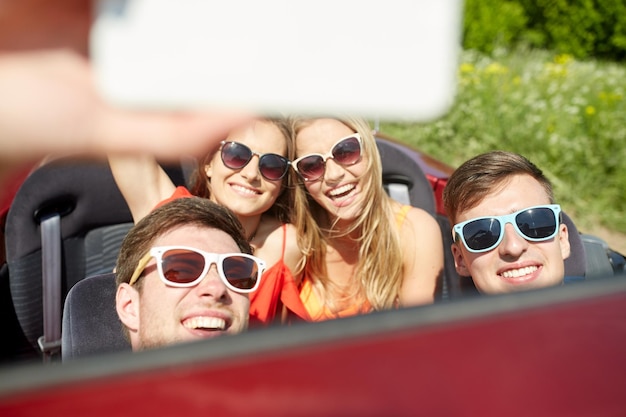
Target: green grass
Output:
{"points": [[567, 116]]}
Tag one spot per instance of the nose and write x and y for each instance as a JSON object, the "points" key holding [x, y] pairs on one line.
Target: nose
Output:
{"points": [[333, 172], [212, 285], [251, 170], [512, 245]]}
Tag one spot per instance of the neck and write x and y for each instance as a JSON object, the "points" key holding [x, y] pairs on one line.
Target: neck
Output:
{"points": [[250, 225], [338, 230], [346, 247]]}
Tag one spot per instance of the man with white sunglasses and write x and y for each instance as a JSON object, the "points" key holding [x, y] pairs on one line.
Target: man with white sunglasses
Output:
{"points": [[508, 233], [184, 273]]}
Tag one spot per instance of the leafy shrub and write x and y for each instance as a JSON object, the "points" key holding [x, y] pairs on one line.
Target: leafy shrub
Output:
{"points": [[582, 28], [489, 24]]}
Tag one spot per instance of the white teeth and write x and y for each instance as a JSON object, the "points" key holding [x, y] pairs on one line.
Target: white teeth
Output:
{"points": [[205, 323], [244, 189], [341, 190], [516, 273]]}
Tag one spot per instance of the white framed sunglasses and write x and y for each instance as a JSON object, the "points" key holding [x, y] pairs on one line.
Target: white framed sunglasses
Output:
{"points": [[535, 224], [182, 266], [346, 151]]}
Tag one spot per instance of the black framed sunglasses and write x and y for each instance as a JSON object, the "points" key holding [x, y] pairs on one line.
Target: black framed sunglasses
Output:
{"points": [[236, 155], [346, 151], [182, 266], [535, 224]]}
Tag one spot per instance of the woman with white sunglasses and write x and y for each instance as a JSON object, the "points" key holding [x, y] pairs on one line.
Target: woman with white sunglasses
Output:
{"points": [[248, 173], [364, 250]]}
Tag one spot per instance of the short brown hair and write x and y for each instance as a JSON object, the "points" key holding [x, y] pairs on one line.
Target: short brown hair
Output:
{"points": [[481, 175], [195, 211]]}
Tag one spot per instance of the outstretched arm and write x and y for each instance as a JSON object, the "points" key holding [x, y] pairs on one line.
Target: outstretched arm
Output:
{"points": [[142, 182], [49, 104]]}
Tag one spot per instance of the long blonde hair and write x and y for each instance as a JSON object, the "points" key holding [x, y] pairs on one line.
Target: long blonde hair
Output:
{"points": [[378, 276]]}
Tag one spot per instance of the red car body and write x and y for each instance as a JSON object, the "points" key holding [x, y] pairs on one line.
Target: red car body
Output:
{"points": [[556, 352]]}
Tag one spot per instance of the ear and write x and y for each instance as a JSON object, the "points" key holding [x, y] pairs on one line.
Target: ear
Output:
{"points": [[564, 241], [459, 261], [127, 306], [208, 169]]}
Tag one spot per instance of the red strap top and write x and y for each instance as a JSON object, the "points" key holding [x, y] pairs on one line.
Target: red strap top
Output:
{"points": [[278, 289], [179, 192]]}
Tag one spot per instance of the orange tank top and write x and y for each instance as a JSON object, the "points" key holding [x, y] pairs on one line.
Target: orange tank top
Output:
{"points": [[319, 312]]}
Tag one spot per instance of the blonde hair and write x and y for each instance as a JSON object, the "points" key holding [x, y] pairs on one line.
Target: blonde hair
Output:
{"points": [[378, 276]]}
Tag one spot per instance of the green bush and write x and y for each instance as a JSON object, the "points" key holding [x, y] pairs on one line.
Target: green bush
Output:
{"points": [[567, 26], [582, 28], [612, 40], [489, 24]]}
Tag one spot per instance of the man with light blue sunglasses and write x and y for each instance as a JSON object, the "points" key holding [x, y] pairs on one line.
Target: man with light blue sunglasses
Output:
{"points": [[508, 233]]}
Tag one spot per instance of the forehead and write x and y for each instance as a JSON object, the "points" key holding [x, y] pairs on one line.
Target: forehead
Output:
{"points": [[260, 136], [517, 193], [320, 135], [199, 237]]}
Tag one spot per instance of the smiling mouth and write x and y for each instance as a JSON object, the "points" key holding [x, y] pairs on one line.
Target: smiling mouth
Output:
{"points": [[205, 323], [244, 190], [520, 272], [341, 192]]}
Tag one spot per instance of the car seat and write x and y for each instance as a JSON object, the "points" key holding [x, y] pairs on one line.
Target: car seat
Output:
{"points": [[66, 222], [90, 321], [403, 177]]}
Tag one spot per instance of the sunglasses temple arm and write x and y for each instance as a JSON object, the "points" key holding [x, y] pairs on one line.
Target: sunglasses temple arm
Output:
{"points": [[141, 265]]}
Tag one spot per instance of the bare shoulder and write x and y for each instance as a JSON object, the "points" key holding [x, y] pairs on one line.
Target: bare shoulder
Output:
{"points": [[419, 232], [272, 238], [268, 239], [291, 241], [269, 230], [294, 258], [415, 218], [422, 249]]}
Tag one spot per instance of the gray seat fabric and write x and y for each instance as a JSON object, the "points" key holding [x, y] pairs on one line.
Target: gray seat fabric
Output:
{"points": [[602, 261], [576, 264], [102, 246], [90, 321]]}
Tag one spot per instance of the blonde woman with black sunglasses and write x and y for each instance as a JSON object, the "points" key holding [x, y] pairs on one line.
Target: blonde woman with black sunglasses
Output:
{"points": [[364, 251]]}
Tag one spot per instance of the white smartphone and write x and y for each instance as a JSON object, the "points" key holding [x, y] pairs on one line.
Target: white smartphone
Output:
{"points": [[391, 59]]}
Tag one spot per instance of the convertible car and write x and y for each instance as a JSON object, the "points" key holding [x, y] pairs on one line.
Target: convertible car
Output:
{"points": [[556, 351]]}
